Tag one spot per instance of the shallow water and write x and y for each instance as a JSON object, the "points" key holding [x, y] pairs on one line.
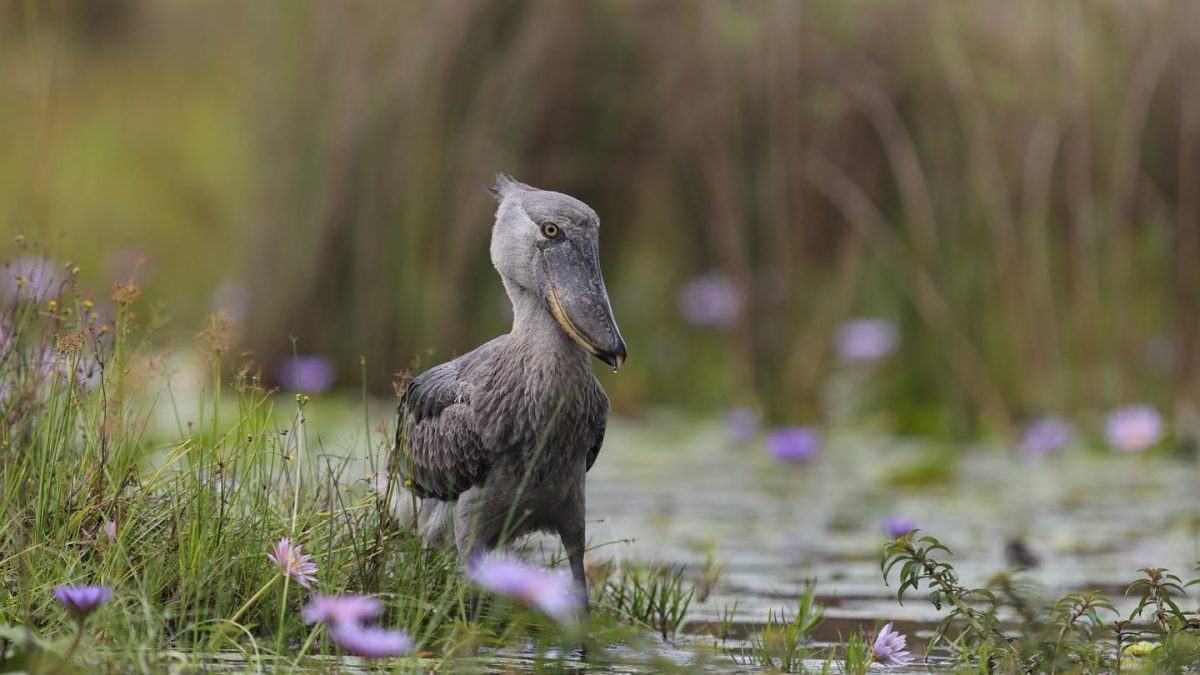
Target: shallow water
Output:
{"points": [[671, 490]]}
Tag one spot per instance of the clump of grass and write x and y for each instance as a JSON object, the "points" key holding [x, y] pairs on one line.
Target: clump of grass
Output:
{"points": [[657, 596], [785, 643], [725, 625], [180, 524], [858, 655]]}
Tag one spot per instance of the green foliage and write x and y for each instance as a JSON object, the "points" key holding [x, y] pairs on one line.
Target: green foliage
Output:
{"points": [[191, 518], [1080, 632], [858, 655], [728, 615], [1022, 209], [965, 625], [654, 595], [784, 644]]}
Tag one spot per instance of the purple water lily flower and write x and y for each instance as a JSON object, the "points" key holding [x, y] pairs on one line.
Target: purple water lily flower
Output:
{"points": [[82, 600], [292, 562], [370, 642], [898, 526], [1046, 435], [742, 424], [710, 301], [312, 374], [341, 609], [865, 340], [794, 444], [552, 592], [889, 648], [1134, 428]]}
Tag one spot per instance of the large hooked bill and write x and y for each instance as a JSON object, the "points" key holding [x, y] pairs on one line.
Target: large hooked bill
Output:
{"points": [[578, 300]]}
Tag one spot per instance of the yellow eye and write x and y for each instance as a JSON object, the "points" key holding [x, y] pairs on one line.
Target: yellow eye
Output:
{"points": [[549, 230]]}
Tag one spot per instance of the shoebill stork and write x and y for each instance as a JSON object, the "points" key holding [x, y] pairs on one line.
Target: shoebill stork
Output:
{"points": [[496, 443]]}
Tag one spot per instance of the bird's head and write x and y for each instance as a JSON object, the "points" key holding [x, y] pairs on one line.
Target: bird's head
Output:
{"points": [[547, 244]]}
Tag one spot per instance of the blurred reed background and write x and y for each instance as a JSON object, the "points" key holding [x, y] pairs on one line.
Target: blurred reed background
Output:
{"points": [[1012, 185]]}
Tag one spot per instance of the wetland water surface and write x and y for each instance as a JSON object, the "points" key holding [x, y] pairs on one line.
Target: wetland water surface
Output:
{"points": [[670, 490]]}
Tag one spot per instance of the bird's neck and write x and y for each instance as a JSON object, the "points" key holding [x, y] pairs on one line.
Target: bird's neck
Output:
{"points": [[533, 325]]}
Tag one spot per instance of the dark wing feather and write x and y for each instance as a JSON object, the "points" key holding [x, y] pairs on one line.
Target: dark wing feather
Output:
{"points": [[439, 451], [598, 424], [595, 451]]}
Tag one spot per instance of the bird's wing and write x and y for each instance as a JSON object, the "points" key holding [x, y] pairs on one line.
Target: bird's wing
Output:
{"points": [[598, 424], [439, 452]]}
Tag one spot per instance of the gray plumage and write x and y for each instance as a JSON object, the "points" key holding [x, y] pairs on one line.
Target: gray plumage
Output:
{"points": [[497, 442]]}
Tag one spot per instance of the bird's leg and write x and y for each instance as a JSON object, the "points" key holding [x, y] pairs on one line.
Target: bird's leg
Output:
{"points": [[470, 550], [573, 541]]}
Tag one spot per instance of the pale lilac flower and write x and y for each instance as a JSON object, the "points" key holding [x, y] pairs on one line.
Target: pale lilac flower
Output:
{"points": [[1134, 428], [864, 340], [341, 609], [31, 278], [898, 526], [370, 642], [889, 648], [710, 301], [794, 444], [549, 591], [312, 374], [82, 600], [110, 530], [742, 424], [292, 562], [1046, 435]]}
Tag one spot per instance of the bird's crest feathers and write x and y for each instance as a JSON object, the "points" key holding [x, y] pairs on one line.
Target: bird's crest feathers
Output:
{"points": [[505, 185]]}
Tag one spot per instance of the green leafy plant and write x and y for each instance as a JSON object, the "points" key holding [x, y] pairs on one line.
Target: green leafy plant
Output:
{"points": [[1081, 631], [785, 643], [655, 595], [966, 625]]}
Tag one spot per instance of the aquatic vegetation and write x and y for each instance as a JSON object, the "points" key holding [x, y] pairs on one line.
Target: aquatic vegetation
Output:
{"points": [[82, 600], [794, 444], [725, 624], [1134, 428], [654, 595], [306, 373], [340, 609], [346, 615], [293, 563], [742, 424], [173, 523], [187, 478], [784, 643], [708, 573], [898, 526], [551, 592], [369, 642], [1046, 435], [858, 655], [710, 301], [1081, 631], [865, 340], [890, 648]]}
